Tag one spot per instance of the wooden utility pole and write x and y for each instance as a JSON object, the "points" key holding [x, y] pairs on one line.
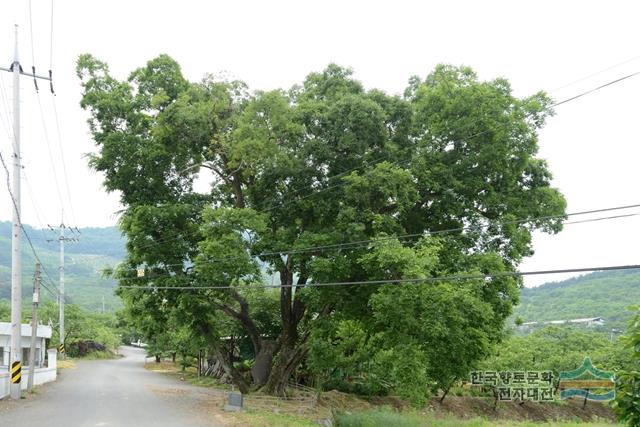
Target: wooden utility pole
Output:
{"points": [[34, 328]]}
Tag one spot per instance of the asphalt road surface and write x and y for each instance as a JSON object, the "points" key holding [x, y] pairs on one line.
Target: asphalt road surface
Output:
{"points": [[114, 393]]}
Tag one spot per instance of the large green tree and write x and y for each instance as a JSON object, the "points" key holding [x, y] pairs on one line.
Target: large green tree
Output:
{"points": [[299, 173]]}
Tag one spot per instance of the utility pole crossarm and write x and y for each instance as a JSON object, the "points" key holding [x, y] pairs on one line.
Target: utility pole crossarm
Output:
{"points": [[36, 76]]}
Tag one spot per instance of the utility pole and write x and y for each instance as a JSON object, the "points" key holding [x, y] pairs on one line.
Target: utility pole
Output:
{"points": [[61, 298], [34, 328], [15, 367], [16, 255]]}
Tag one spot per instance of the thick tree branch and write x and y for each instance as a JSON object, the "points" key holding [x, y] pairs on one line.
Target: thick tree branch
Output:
{"points": [[245, 320], [224, 358], [299, 306]]}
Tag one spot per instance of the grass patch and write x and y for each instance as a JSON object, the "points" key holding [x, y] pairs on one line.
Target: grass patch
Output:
{"points": [[268, 419], [378, 418], [101, 355], [66, 364], [386, 417]]}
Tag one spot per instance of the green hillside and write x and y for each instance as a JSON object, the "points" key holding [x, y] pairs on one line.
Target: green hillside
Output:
{"points": [[97, 248], [604, 294]]}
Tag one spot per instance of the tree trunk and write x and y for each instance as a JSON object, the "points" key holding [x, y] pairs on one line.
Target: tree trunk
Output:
{"points": [[444, 394], [446, 391], [287, 361], [173, 357], [157, 358], [236, 377], [262, 364], [225, 358]]}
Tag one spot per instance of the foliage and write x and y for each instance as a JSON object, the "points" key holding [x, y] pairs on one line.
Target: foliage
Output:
{"points": [[101, 355], [5, 311], [323, 164], [82, 325], [602, 294], [559, 349], [627, 403]]}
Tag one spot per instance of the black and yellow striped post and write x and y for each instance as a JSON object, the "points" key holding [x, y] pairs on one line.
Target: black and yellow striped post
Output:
{"points": [[16, 372], [61, 348]]}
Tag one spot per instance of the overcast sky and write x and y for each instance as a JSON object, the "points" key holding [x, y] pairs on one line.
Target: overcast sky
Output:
{"points": [[591, 144]]}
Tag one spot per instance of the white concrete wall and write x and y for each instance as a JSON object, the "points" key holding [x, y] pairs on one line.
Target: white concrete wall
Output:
{"points": [[26, 343], [42, 375]]}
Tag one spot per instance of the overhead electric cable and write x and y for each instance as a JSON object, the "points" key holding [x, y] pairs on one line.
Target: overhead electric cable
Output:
{"points": [[51, 40], [34, 203], [24, 231], [452, 277], [51, 159], [359, 243], [33, 55], [596, 89], [5, 102], [596, 73], [64, 163]]}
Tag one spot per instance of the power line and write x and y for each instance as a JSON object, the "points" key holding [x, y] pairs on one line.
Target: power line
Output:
{"points": [[44, 126], [596, 89], [34, 203], [611, 67], [602, 218], [33, 61], [5, 102], [51, 41], [64, 163], [396, 281], [51, 160], [24, 231], [57, 122], [357, 244]]}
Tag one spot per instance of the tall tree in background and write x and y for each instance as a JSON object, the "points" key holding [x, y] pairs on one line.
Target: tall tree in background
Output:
{"points": [[299, 173]]}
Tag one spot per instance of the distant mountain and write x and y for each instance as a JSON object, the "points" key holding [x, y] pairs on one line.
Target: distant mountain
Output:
{"points": [[97, 248], [604, 294]]}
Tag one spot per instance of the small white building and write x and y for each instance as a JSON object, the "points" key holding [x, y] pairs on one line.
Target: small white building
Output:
{"points": [[42, 334], [41, 374]]}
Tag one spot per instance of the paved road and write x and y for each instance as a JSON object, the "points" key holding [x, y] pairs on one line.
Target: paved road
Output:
{"points": [[114, 393]]}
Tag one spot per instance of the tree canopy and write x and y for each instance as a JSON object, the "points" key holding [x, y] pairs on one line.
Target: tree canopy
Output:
{"points": [[327, 182]]}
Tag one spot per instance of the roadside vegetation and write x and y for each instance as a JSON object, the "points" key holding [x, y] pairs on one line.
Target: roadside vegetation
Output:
{"points": [[87, 334], [389, 418]]}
